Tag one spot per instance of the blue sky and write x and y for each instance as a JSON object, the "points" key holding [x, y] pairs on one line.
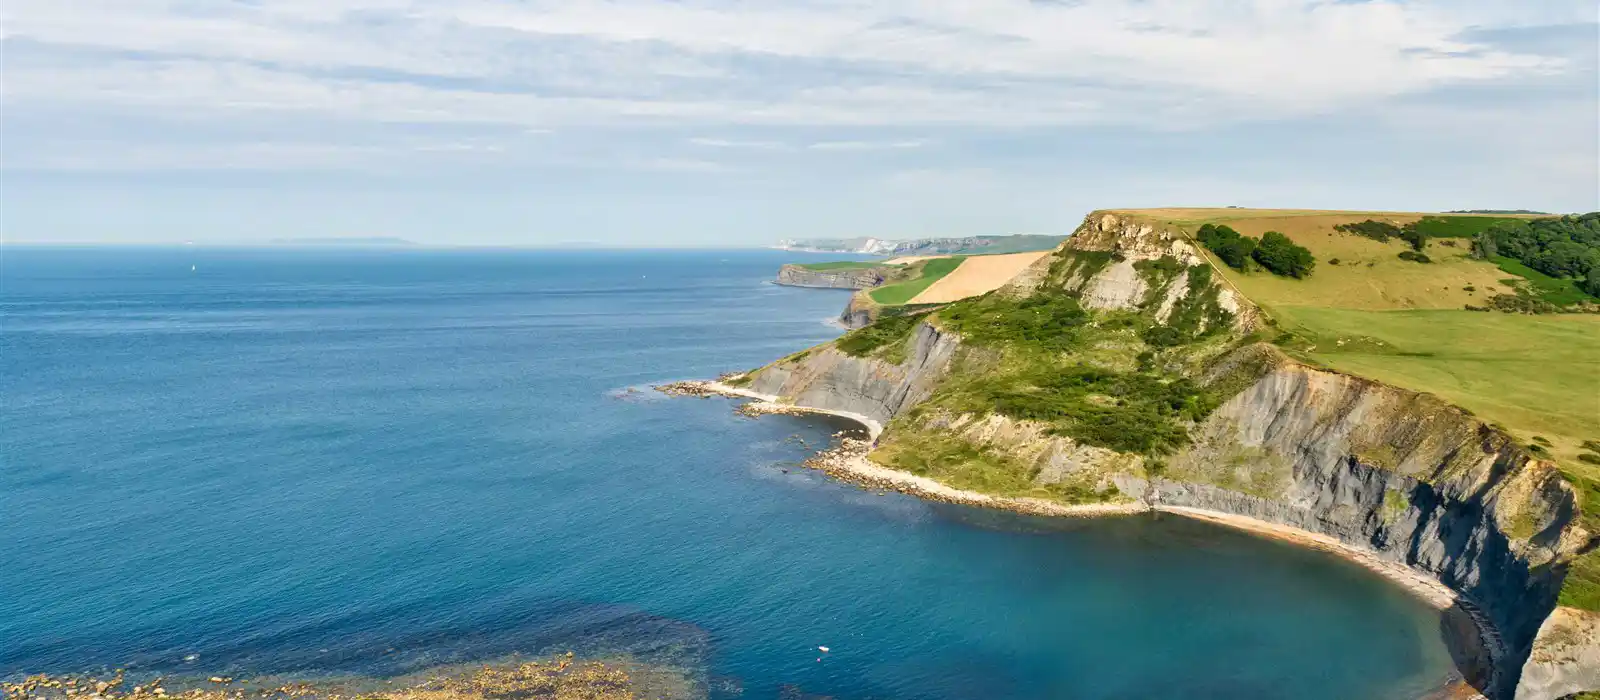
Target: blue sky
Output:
{"points": [[735, 123]]}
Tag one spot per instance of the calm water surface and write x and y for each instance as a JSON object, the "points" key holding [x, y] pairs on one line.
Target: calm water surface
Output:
{"points": [[376, 461]]}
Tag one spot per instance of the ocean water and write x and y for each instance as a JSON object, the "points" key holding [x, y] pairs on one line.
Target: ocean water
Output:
{"points": [[371, 462]]}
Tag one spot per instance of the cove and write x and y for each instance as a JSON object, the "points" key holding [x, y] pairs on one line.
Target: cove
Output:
{"points": [[312, 462]]}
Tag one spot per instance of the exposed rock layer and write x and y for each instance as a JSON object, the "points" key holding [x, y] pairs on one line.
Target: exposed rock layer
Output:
{"points": [[843, 278]]}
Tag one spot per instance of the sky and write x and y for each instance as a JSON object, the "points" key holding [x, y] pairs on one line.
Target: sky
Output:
{"points": [[703, 123]]}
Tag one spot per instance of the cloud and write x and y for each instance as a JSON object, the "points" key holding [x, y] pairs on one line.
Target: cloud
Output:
{"points": [[738, 143], [866, 145], [837, 65]]}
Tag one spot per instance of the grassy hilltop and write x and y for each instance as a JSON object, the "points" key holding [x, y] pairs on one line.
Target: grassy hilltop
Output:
{"points": [[1366, 311]]}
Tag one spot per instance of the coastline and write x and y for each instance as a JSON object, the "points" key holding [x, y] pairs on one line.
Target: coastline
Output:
{"points": [[849, 462]]}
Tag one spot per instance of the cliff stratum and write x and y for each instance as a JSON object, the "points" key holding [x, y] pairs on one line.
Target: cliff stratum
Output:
{"points": [[1127, 366], [862, 277]]}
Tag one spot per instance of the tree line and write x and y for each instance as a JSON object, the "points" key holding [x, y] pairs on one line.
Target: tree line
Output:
{"points": [[1566, 247], [1274, 251]]}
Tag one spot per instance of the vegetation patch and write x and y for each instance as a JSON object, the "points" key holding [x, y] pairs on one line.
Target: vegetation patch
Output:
{"points": [[1394, 506], [1070, 265], [1281, 256], [1045, 322], [1274, 252], [1157, 275], [1581, 588], [1229, 245], [931, 271], [886, 331], [956, 462], [1536, 284], [1195, 316], [1565, 251]]}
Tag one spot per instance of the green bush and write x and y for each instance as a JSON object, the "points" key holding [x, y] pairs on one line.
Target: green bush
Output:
{"points": [[1124, 411], [884, 331], [1282, 257], [1521, 304], [1047, 321], [1414, 256], [1232, 248], [1379, 231]]}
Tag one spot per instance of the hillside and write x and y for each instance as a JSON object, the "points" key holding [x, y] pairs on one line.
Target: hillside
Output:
{"points": [[1405, 323], [1133, 365]]}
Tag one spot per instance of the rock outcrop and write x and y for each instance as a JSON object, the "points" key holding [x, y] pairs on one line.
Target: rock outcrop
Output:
{"points": [[828, 378], [859, 312], [842, 278], [1398, 473]]}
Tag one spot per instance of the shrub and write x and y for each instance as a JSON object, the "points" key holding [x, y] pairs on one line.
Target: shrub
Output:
{"points": [[1128, 412], [882, 332], [1414, 256], [1281, 256], [1047, 321], [1232, 248], [1333, 261], [1589, 458], [1519, 304], [1376, 230]]}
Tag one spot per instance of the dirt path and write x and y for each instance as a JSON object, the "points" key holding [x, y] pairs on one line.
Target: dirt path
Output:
{"points": [[977, 275]]}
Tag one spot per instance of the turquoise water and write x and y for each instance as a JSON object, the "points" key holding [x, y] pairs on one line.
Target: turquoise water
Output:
{"points": [[377, 461]]}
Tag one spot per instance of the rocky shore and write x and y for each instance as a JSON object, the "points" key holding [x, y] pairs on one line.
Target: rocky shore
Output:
{"points": [[1475, 634]]}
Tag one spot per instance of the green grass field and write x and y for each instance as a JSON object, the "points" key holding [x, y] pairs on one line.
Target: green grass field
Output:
{"points": [[1556, 291], [1536, 375], [1457, 226], [1405, 324], [902, 292], [842, 265]]}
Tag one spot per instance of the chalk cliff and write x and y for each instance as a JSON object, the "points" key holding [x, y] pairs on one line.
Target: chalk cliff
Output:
{"points": [[1396, 472]]}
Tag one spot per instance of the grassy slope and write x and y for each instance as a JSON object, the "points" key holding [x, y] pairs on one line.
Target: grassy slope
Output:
{"points": [[903, 292], [1404, 323], [1560, 292]]}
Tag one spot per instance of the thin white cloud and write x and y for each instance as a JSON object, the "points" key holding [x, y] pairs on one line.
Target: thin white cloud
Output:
{"points": [[867, 145], [738, 143]]}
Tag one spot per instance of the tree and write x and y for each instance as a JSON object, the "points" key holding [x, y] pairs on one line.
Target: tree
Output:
{"points": [[1233, 248], [1280, 255]]}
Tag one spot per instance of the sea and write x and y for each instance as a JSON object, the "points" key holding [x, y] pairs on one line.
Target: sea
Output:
{"points": [[371, 462]]}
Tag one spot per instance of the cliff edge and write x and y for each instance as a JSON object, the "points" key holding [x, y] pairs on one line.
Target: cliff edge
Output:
{"points": [[1124, 367]]}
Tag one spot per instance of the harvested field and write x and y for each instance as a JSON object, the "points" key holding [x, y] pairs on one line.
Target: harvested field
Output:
{"points": [[980, 274]]}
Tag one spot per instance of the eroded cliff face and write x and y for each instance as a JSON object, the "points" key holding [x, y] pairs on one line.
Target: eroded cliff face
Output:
{"points": [[1396, 472], [859, 312], [845, 278], [827, 378]]}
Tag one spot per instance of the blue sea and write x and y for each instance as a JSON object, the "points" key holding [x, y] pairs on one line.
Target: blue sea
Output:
{"points": [[312, 462]]}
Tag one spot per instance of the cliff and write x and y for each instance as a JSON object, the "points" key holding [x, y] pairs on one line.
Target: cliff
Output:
{"points": [[843, 278], [1395, 472]]}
